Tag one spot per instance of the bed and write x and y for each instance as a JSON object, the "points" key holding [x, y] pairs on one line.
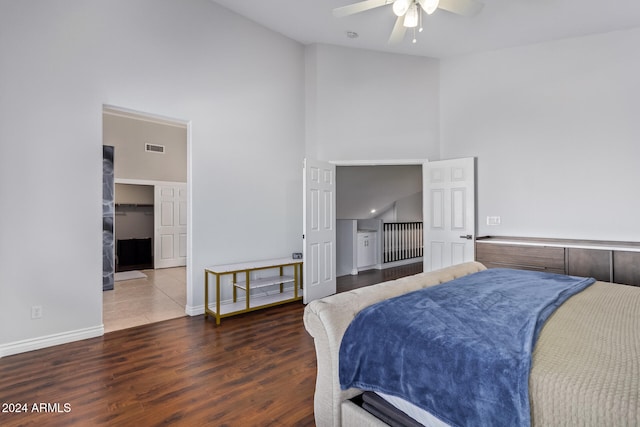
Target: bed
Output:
{"points": [[585, 366]]}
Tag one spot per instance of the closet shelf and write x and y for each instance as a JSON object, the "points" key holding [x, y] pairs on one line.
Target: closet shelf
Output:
{"points": [[133, 205]]}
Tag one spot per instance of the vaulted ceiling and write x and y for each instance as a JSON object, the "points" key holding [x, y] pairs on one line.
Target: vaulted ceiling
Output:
{"points": [[500, 24]]}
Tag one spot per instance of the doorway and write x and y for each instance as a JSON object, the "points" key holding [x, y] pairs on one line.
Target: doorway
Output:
{"points": [[150, 161], [320, 225], [377, 203], [133, 227], [448, 200]]}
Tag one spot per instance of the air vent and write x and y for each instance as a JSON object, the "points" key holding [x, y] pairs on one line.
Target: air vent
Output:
{"points": [[153, 148]]}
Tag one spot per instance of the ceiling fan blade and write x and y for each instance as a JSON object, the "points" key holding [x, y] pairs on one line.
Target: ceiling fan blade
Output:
{"points": [[461, 7], [397, 34], [351, 9]]}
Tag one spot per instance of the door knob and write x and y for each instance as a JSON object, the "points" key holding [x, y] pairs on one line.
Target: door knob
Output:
{"points": [[467, 236]]}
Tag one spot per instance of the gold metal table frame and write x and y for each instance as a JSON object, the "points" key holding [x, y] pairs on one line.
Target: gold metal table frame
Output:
{"points": [[241, 279]]}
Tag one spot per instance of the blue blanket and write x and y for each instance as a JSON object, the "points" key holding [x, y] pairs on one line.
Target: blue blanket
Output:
{"points": [[460, 350]]}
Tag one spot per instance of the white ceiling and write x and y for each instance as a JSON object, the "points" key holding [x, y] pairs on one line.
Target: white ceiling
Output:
{"points": [[501, 23]]}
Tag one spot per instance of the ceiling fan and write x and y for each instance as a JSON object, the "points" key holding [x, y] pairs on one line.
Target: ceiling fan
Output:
{"points": [[409, 12]]}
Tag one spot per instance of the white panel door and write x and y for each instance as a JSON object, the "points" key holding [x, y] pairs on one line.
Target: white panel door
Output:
{"points": [[319, 233], [170, 220], [449, 212]]}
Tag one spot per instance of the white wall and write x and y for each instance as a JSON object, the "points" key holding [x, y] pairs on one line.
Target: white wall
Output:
{"points": [[364, 105], [554, 127], [346, 247], [240, 85], [363, 188], [409, 208], [555, 130]]}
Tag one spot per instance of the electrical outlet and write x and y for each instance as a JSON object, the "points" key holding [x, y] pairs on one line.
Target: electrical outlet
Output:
{"points": [[36, 312], [493, 220]]}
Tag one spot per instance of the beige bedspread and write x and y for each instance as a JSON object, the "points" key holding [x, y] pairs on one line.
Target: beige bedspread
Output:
{"points": [[586, 364]]}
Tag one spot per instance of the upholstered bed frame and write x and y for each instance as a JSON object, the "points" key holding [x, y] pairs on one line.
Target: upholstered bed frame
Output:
{"points": [[587, 381], [327, 319]]}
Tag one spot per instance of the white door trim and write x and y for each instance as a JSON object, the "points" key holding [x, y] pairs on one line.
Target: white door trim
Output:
{"points": [[384, 162], [112, 110]]}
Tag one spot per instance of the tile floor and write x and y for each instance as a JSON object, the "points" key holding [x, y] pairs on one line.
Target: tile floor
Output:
{"points": [[161, 296]]}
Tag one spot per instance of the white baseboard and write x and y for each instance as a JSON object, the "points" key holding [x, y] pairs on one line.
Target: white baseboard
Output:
{"points": [[194, 310], [50, 340], [399, 263]]}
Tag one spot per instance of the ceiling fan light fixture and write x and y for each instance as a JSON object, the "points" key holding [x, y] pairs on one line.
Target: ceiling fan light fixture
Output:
{"points": [[411, 18], [400, 7], [409, 12], [429, 6]]}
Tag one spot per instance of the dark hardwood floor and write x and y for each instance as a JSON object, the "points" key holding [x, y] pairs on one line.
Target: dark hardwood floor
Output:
{"points": [[256, 369], [371, 277]]}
